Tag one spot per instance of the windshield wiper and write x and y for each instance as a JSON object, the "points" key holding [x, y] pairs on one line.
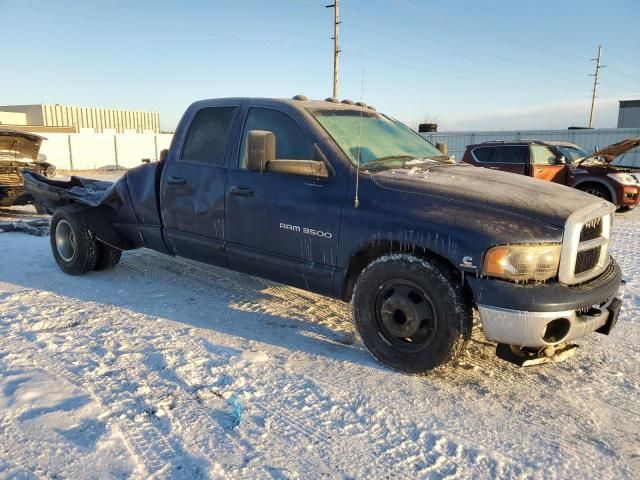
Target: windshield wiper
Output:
{"points": [[382, 160]]}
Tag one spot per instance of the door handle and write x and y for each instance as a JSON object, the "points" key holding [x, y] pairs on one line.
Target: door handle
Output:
{"points": [[243, 192], [538, 169], [176, 181]]}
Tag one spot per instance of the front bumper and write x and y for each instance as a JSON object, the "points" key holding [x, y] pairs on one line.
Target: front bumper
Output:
{"points": [[540, 329], [539, 315]]}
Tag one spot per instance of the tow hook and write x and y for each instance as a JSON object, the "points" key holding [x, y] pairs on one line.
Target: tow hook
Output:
{"points": [[527, 357]]}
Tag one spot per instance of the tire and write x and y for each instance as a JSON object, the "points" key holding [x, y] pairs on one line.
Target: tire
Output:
{"points": [[412, 314], [108, 257], [596, 190], [72, 244]]}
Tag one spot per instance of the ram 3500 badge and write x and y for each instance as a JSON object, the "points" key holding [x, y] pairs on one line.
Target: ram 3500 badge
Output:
{"points": [[306, 231], [272, 193]]}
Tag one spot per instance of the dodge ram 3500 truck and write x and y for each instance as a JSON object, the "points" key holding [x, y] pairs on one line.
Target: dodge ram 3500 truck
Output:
{"points": [[339, 199]]}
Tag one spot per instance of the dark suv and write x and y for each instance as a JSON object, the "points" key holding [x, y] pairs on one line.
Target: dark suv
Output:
{"points": [[565, 163]]}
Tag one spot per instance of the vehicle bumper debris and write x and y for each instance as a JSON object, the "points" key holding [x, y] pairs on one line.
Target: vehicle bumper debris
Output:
{"points": [[39, 227]]}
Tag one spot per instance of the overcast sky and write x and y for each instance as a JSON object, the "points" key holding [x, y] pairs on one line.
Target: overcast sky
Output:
{"points": [[465, 64]]}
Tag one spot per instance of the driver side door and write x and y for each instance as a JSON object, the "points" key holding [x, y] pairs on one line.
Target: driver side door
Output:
{"points": [[283, 226], [545, 165]]}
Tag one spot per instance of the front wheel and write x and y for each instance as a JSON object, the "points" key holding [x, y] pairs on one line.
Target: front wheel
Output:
{"points": [[73, 246], [596, 190], [412, 314]]}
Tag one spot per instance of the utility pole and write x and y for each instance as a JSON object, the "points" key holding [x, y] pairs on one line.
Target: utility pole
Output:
{"points": [[336, 43], [595, 83]]}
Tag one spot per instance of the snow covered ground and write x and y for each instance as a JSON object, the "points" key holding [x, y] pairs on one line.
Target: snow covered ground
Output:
{"points": [[168, 368]]}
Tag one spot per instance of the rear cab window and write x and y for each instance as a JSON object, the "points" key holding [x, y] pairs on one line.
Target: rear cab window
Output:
{"points": [[208, 135]]}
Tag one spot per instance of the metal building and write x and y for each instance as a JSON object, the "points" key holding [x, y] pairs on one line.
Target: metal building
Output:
{"points": [[629, 114], [98, 119]]}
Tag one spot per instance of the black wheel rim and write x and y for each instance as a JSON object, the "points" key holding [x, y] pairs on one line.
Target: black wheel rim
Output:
{"points": [[405, 316], [595, 192]]}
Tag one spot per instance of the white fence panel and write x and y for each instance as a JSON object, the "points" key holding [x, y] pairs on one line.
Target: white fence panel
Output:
{"points": [[56, 149], [163, 141], [92, 150], [133, 148], [88, 151]]}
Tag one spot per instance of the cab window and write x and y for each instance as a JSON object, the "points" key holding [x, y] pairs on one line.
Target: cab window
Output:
{"points": [[541, 155], [208, 134], [292, 143]]}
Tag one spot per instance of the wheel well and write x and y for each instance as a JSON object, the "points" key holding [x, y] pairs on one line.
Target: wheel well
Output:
{"points": [[368, 253], [590, 183]]}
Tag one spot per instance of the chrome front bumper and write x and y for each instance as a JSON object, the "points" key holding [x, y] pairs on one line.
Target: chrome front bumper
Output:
{"points": [[527, 329]]}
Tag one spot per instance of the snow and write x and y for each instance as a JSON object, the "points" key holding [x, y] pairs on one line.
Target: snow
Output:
{"points": [[167, 368]]}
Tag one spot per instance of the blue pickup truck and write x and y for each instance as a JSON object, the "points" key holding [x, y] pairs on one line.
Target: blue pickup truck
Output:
{"points": [[336, 198]]}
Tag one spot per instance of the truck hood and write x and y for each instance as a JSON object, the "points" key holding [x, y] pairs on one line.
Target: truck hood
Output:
{"points": [[532, 200], [19, 145], [610, 153]]}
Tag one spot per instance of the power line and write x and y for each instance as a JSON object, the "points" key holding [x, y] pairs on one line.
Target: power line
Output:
{"points": [[623, 73]]}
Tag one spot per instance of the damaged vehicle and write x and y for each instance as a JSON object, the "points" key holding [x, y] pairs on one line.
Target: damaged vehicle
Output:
{"points": [[19, 150], [344, 201], [567, 164]]}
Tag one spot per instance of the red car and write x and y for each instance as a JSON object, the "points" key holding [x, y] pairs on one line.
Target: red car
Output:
{"points": [[565, 163]]}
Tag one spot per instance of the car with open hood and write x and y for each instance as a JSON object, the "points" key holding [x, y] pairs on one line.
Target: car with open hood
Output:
{"points": [[19, 151], [339, 199], [567, 164]]}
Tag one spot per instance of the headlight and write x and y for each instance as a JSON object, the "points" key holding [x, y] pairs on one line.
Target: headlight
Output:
{"points": [[523, 262], [623, 178]]}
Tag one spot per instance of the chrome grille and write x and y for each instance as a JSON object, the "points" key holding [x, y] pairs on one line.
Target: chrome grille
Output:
{"points": [[585, 246], [10, 177], [587, 260], [591, 229]]}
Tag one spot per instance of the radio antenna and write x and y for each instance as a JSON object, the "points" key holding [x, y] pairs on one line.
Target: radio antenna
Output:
{"points": [[356, 200]]}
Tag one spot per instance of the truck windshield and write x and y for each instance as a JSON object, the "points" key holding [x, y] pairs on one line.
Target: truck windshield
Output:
{"points": [[376, 138]]}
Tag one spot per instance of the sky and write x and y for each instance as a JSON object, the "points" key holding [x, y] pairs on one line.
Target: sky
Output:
{"points": [[466, 65]]}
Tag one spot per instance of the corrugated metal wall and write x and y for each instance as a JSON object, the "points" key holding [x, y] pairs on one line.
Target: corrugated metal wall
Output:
{"points": [[629, 114], [587, 139], [100, 119]]}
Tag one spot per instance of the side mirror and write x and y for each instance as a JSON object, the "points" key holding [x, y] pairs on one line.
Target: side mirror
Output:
{"points": [[262, 150], [163, 154], [443, 147]]}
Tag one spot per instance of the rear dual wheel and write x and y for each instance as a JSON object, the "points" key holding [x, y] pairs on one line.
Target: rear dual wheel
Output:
{"points": [[412, 314], [74, 247]]}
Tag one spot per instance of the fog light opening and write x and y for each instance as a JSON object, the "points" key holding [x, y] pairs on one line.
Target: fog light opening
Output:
{"points": [[556, 330]]}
